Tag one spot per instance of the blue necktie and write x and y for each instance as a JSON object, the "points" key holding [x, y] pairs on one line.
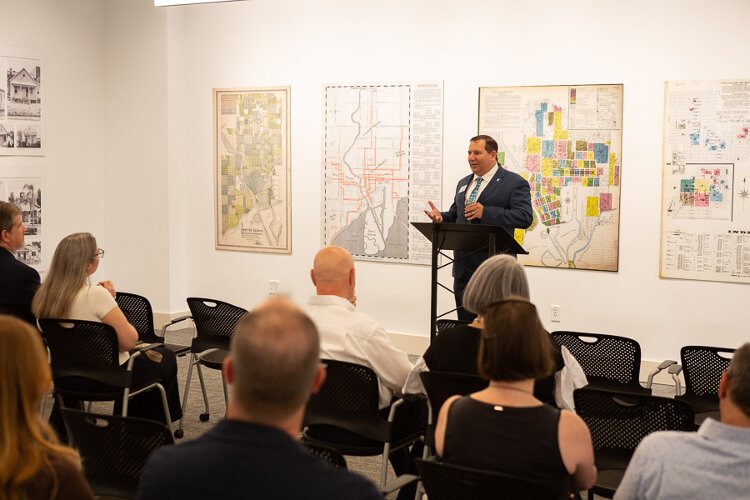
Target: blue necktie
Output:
{"points": [[475, 191]]}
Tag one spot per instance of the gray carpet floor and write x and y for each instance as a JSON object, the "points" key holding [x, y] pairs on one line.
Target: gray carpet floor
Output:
{"points": [[193, 427]]}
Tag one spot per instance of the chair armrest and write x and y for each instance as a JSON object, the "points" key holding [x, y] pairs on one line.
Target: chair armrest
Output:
{"points": [[403, 399], [663, 365], [174, 322], [675, 370]]}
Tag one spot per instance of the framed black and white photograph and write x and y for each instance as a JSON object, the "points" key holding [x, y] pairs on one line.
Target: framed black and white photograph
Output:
{"points": [[21, 102]]}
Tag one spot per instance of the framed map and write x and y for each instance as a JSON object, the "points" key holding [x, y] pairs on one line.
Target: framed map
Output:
{"points": [[252, 169], [382, 161], [566, 140], [705, 216]]}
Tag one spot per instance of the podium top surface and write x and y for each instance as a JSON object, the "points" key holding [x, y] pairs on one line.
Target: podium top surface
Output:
{"points": [[468, 237]]}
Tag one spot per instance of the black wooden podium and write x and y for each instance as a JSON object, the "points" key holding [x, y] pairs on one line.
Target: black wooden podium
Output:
{"points": [[465, 237]]}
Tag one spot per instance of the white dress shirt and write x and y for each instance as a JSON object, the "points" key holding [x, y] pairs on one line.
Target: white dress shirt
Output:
{"points": [[354, 337], [486, 178]]}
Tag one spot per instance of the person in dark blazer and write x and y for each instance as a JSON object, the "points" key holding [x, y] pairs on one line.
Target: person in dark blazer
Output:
{"points": [[19, 282], [489, 195]]}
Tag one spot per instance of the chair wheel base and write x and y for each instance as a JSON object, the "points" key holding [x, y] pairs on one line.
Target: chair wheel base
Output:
{"points": [[204, 417], [179, 433]]}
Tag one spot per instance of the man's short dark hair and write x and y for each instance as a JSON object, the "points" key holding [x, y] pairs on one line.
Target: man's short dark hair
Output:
{"points": [[514, 344], [8, 213], [490, 144], [275, 356], [739, 379]]}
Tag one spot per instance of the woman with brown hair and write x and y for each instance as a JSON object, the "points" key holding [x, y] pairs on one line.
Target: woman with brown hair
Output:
{"points": [[33, 465], [504, 427]]}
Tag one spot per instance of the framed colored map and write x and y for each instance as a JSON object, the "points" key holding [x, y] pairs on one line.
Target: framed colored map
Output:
{"points": [[252, 169], [566, 140]]}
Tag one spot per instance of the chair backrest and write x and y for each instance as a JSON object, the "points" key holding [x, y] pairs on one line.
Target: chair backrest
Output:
{"points": [[348, 399], [605, 359], [214, 322], [448, 481], [86, 349], [114, 449], [447, 324], [619, 421], [137, 310], [439, 386], [702, 367], [327, 454]]}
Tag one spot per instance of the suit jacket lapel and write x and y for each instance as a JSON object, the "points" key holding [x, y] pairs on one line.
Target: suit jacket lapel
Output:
{"points": [[493, 186]]}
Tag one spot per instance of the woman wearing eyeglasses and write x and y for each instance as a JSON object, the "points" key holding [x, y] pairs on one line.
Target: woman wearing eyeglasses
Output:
{"points": [[505, 428], [68, 294]]}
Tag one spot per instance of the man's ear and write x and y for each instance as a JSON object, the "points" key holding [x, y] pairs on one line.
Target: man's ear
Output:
{"points": [[228, 369], [320, 378], [724, 385], [352, 277], [312, 276]]}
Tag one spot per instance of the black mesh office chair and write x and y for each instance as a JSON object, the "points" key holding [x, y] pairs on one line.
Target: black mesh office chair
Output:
{"points": [[215, 322], [114, 449], [327, 454], [618, 422], [137, 310], [439, 386], [446, 324], [702, 367], [450, 482], [349, 401], [609, 362], [85, 363]]}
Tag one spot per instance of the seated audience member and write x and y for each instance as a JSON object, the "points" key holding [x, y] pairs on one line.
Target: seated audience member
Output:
{"points": [[19, 282], [33, 465], [352, 336], [504, 427], [456, 349], [345, 333], [66, 293], [712, 463], [273, 368]]}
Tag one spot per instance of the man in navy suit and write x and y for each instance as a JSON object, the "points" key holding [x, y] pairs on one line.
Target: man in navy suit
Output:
{"points": [[19, 282], [490, 195]]}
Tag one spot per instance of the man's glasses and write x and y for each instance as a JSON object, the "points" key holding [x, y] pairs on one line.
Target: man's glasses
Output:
{"points": [[99, 253]]}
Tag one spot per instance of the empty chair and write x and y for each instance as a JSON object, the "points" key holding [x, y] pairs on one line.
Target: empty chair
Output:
{"points": [[214, 326], [609, 361], [450, 482], [702, 367], [114, 449], [85, 363], [348, 401], [618, 422], [137, 309]]}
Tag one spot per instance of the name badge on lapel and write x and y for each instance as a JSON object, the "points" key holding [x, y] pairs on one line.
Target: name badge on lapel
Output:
{"points": [[462, 189]]}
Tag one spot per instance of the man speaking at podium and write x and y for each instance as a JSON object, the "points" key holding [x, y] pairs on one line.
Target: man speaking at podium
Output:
{"points": [[490, 195]]}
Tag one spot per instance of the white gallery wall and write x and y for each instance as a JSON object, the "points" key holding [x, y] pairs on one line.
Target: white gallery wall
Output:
{"points": [[130, 152]]}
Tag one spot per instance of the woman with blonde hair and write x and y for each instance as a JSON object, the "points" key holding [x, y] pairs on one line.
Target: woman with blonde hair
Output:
{"points": [[67, 294], [504, 427], [33, 465]]}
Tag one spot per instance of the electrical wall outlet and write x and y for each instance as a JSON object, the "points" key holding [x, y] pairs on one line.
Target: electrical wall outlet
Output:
{"points": [[274, 287], [555, 313]]}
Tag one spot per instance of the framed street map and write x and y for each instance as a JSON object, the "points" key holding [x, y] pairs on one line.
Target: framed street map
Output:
{"points": [[566, 140], [252, 169], [705, 215]]}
